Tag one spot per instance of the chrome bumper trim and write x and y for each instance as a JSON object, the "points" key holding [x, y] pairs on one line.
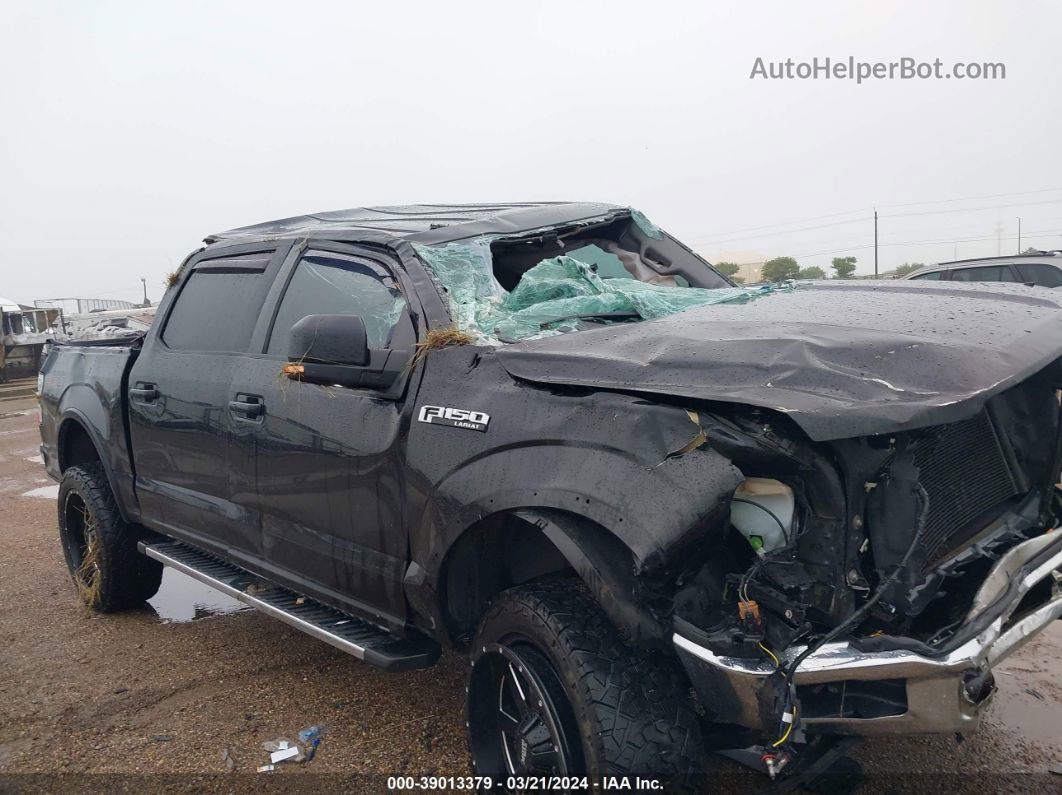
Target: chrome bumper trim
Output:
{"points": [[937, 701]]}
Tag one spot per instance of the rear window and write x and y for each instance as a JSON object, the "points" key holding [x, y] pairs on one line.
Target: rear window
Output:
{"points": [[219, 304], [933, 275], [1041, 274]]}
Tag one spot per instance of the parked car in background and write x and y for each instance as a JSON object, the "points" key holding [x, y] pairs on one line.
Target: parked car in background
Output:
{"points": [[1043, 269]]}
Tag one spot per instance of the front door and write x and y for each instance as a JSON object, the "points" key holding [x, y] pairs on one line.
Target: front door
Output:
{"points": [[327, 465]]}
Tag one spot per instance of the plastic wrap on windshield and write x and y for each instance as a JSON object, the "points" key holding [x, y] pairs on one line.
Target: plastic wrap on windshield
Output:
{"points": [[563, 288], [557, 295], [647, 226]]}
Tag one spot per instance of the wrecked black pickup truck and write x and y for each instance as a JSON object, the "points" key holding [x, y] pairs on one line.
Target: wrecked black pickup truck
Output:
{"points": [[662, 512]]}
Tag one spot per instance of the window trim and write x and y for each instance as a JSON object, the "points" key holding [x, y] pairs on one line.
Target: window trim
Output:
{"points": [[287, 273], [278, 252]]}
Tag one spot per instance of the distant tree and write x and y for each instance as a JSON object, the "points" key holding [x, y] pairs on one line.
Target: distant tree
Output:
{"points": [[813, 272], [727, 268], [907, 267], [843, 267], [779, 269]]}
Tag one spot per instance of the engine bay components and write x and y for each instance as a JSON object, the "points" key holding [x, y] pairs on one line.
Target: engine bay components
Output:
{"points": [[762, 510]]}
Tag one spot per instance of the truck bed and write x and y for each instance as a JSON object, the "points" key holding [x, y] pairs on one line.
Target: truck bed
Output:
{"points": [[82, 387]]}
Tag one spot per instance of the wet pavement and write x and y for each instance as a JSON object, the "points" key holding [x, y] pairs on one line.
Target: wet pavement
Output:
{"points": [[180, 598], [82, 693]]}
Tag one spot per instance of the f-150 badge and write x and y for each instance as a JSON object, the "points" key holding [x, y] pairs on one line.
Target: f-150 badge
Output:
{"points": [[456, 418]]}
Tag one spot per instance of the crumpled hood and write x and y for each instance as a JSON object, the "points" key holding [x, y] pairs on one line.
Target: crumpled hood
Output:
{"points": [[842, 359]]}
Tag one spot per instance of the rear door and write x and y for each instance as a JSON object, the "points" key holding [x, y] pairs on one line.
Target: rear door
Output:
{"points": [[328, 466], [190, 478]]}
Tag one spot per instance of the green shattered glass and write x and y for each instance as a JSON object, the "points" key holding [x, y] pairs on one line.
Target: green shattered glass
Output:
{"points": [[552, 295], [647, 226]]}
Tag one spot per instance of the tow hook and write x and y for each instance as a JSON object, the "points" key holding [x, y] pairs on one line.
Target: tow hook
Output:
{"points": [[978, 687]]}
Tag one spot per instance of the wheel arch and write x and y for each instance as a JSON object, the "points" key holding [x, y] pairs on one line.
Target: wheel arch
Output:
{"points": [[78, 443], [513, 547]]}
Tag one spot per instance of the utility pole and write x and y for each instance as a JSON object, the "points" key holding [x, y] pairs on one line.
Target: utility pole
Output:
{"points": [[875, 242], [143, 281], [1019, 234]]}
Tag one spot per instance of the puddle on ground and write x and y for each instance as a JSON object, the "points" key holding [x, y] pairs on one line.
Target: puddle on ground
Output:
{"points": [[48, 492], [180, 598], [1032, 713], [1029, 700]]}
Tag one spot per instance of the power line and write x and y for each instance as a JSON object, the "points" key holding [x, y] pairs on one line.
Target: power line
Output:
{"points": [[971, 198], [1042, 233], [973, 209], [711, 237]]}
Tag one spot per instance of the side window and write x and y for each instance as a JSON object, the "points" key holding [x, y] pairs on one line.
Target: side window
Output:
{"points": [[932, 275], [337, 284], [989, 273], [1041, 274], [219, 305]]}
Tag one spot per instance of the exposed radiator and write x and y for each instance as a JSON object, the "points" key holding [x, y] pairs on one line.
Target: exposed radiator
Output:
{"points": [[965, 472]]}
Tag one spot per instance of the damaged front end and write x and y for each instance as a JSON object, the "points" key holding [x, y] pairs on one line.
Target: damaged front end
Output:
{"points": [[890, 573]]}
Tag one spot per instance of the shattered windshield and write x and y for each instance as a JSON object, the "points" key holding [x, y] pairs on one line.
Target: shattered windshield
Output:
{"points": [[601, 277]]}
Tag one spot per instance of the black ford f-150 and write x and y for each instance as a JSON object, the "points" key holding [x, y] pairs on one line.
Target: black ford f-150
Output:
{"points": [[654, 507]]}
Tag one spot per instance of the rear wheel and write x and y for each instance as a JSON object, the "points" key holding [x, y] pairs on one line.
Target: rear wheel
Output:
{"points": [[554, 691], [99, 547]]}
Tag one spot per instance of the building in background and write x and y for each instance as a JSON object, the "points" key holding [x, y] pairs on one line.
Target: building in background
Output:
{"points": [[83, 306], [750, 272], [23, 332]]}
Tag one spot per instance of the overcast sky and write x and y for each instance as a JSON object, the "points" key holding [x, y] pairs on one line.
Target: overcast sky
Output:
{"points": [[133, 129]]}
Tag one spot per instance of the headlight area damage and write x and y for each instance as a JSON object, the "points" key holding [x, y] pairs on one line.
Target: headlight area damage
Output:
{"points": [[867, 586], [859, 520]]}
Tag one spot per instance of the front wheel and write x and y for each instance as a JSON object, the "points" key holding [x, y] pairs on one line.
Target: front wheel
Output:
{"points": [[99, 546], [554, 691]]}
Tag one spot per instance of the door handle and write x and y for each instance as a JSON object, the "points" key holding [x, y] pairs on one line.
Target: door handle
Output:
{"points": [[247, 408], [144, 393]]}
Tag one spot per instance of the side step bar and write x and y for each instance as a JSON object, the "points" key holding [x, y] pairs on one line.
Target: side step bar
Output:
{"points": [[353, 635]]}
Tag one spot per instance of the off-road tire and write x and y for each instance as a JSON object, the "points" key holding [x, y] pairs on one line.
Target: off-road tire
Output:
{"points": [[632, 708], [125, 577]]}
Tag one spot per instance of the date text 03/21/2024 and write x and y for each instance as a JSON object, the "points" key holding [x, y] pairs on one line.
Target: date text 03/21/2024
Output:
{"points": [[526, 783]]}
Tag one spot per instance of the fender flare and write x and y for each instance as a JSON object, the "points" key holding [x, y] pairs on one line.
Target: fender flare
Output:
{"points": [[606, 565], [73, 416]]}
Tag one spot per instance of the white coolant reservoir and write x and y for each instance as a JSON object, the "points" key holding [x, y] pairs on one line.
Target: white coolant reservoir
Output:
{"points": [[762, 510]]}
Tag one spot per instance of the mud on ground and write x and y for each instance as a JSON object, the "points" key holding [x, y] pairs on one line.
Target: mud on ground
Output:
{"points": [[138, 693]]}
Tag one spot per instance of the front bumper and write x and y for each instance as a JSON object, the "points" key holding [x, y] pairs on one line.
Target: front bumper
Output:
{"points": [[946, 689]]}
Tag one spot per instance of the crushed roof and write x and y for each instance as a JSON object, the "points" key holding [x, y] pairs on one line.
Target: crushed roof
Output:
{"points": [[425, 223]]}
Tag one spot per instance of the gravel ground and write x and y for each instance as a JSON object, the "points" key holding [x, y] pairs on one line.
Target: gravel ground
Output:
{"points": [[190, 702]]}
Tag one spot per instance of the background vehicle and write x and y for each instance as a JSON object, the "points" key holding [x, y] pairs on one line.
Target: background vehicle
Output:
{"points": [[1042, 270], [829, 509]]}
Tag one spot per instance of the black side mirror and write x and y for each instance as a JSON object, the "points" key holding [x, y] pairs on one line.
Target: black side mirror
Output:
{"points": [[334, 349], [329, 339]]}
